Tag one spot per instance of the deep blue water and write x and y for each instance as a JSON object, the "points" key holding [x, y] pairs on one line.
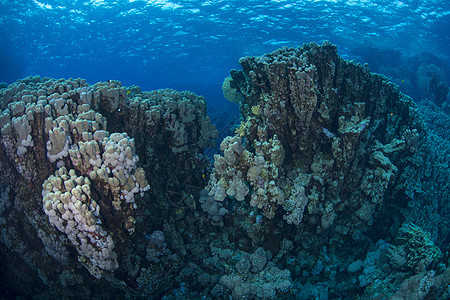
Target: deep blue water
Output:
{"points": [[193, 44]]}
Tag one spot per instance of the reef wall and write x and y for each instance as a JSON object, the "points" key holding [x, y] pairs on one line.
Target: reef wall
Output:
{"points": [[330, 188]]}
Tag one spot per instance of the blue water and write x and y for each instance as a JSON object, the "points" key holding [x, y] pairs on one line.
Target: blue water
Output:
{"points": [[193, 44]]}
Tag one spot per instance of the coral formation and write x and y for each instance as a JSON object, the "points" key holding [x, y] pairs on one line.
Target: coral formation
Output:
{"points": [[68, 204], [416, 251], [55, 145], [255, 277], [230, 93], [320, 139], [105, 191], [347, 137], [213, 208]]}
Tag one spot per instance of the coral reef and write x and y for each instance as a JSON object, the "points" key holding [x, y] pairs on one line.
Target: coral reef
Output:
{"points": [[105, 191], [349, 142], [76, 185], [316, 138]]}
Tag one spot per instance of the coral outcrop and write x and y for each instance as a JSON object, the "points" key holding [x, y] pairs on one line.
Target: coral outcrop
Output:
{"points": [[65, 171], [330, 148], [322, 139]]}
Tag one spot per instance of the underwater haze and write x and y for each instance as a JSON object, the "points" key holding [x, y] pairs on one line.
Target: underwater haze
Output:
{"points": [[230, 149]]}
